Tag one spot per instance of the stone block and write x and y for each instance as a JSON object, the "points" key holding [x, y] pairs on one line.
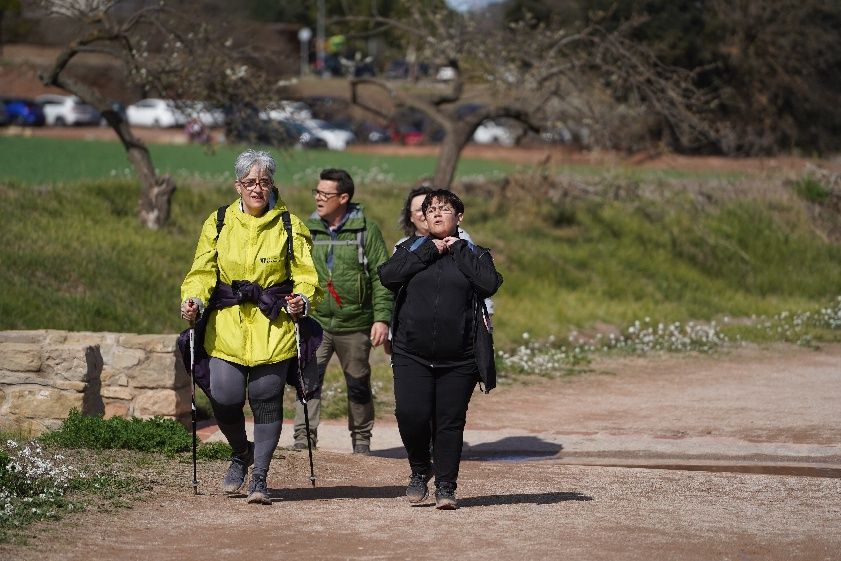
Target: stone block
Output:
{"points": [[167, 403], [42, 403], [20, 357], [124, 358], [116, 409], [15, 378], [74, 386], [157, 371], [73, 363], [117, 392], [151, 343]]}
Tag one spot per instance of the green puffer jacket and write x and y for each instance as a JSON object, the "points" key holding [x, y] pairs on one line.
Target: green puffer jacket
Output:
{"points": [[364, 300]]}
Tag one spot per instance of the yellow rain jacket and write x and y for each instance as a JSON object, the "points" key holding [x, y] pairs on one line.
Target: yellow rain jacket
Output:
{"points": [[253, 249]]}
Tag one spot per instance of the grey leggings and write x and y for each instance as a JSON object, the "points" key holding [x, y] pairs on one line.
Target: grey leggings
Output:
{"points": [[228, 383]]}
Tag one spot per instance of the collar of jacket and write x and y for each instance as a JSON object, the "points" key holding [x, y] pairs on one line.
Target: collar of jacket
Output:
{"points": [[267, 217], [355, 220]]}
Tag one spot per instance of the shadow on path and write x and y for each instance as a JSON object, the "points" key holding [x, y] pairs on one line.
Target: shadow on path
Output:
{"points": [[524, 498], [510, 448], [337, 492]]}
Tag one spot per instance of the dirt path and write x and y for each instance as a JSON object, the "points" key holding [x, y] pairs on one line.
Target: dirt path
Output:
{"points": [[706, 419]]}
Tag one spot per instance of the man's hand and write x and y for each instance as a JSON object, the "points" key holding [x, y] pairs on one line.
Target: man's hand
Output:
{"points": [[379, 333], [449, 241]]}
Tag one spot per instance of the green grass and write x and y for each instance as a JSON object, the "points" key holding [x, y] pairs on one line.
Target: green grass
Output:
{"points": [[47, 160]]}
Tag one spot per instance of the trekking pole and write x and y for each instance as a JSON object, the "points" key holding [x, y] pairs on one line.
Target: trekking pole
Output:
{"points": [[193, 402], [304, 401]]}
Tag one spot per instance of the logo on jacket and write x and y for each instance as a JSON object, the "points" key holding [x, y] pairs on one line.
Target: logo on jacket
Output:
{"points": [[270, 260]]}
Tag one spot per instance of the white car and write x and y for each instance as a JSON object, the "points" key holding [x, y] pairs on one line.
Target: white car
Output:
{"points": [[207, 114], [491, 132], [66, 110], [155, 113], [336, 138], [288, 110]]}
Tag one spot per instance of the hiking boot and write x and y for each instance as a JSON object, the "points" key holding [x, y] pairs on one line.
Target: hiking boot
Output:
{"points": [[300, 446], [418, 486], [364, 449], [257, 491], [445, 496], [237, 470]]}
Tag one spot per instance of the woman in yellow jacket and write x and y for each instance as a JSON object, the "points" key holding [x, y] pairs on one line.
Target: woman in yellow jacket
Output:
{"points": [[245, 262]]}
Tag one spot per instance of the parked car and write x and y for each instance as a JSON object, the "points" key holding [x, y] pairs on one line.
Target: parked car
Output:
{"points": [[4, 115], [336, 138], [23, 112], [369, 132], [207, 114], [155, 113], [492, 132], [67, 110], [303, 136], [286, 110]]}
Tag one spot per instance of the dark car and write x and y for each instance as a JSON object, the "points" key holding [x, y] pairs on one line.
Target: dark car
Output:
{"points": [[327, 108], [4, 116], [302, 136], [23, 112], [371, 133]]}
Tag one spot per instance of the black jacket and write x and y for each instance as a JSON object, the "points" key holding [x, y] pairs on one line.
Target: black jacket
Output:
{"points": [[435, 313]]}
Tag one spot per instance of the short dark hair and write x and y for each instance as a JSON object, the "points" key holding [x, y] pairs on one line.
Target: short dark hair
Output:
{"points": [[344, 182], [406, 215], [445, 196]]}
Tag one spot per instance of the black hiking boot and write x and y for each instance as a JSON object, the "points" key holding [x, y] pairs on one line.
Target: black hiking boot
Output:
{"points": [[418, 486], [445, 496], [257, 491], [237, 470]]}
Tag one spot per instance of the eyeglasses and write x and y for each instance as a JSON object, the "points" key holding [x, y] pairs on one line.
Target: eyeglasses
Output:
{"points": [[323, 194], [442, 209], [250, 184]]}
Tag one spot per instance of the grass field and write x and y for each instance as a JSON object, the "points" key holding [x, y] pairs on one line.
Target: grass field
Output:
{"points": [[47, 160]]}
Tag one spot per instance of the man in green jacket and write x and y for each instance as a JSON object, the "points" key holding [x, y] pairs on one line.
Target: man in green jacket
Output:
{"points": [[356, 310]]}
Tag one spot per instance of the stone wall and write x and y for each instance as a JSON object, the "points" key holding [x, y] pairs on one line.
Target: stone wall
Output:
{"points": [[45, 373]]}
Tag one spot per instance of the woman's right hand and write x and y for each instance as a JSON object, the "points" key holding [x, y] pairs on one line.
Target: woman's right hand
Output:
{"points": [[189, 310], [440, 245]]}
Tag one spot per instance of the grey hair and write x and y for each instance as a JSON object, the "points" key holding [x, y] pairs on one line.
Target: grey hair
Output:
{"points": [[251, 158]]}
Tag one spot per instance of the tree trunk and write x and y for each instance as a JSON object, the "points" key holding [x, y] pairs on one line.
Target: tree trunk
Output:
{"points": [[451, 146], [155, 192]]}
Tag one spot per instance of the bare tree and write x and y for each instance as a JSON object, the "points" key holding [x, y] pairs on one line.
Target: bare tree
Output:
{"points": [[172, 53], [540, 73]]}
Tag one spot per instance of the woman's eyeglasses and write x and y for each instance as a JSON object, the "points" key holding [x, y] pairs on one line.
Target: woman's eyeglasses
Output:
{"points": [[252, 184], [446, 209]]}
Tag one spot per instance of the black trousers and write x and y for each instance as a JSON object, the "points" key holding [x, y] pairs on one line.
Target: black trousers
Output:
{"points": [[431, 406]]}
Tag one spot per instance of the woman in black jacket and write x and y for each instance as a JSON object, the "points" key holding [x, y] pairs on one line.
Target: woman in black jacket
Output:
{"points": [[440, 281]]}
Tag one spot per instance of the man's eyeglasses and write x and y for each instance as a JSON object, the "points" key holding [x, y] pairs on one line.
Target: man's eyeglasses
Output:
{"points": [[442, 209], [252, 184], [323, 194]]}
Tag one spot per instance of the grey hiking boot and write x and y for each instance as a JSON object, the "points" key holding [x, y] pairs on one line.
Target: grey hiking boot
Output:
{"points": [[300, 446], [257, 490], [237, 470], [418, 486], [445, 496], [364, 449]]}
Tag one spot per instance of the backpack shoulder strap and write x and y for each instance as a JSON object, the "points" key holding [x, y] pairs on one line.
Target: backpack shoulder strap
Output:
{"points": [[360, 249], [220, 219], [287, 225]]}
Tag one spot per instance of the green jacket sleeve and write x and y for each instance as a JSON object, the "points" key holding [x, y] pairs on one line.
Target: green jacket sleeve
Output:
{"points": [[377, 254], [201, 279]]}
